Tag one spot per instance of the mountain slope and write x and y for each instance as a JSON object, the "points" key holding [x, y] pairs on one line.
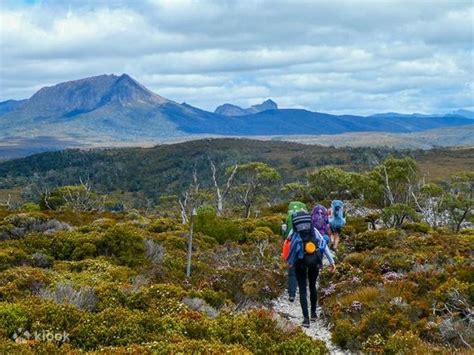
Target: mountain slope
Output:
{"points": [[166, 169], [233, 110], [109, 110]]}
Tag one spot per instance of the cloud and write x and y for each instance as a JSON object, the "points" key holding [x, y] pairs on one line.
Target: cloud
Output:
{"points": [[334, 56]]}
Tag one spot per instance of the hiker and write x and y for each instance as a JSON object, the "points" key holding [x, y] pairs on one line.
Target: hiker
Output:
{"points": [[337, 220], [320, 221], [306, 257], [293, 207]]}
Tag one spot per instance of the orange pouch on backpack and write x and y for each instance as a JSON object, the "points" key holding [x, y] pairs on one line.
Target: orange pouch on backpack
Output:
{"points": [[286, 249]]}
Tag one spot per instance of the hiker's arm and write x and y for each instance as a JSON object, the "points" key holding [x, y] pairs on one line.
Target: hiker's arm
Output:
{"points": [[291, 256], [293, 253], [328, 254], [290, 234]]}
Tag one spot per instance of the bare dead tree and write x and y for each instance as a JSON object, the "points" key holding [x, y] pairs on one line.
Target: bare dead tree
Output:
{"points": [[81, 197], [183, 203], [7, 203], [262, 245], [186, 200], [46, 194], [387, 189], [221, 193]]}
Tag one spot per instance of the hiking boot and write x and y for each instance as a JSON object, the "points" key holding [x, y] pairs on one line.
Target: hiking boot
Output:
{"points": [[305, 323], [291, 299], [314, 316]]}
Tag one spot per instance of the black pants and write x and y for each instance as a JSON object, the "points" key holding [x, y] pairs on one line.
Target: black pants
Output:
{"points": [[292, 283], [310, 273]]}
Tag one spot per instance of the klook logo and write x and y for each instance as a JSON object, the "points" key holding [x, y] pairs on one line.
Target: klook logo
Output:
{"points": [[44, 335]]}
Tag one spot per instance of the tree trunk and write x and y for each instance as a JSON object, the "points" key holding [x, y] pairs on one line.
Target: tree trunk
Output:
{"points": [[247, 211], [190, 248], [220, 205]]}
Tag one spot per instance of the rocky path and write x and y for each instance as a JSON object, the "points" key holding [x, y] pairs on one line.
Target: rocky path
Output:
{"points": [[318, 329]]}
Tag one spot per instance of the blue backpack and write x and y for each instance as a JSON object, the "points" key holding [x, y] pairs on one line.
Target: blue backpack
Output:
{"points": [[337, 219]]}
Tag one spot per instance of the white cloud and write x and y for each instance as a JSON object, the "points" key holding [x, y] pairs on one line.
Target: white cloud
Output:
{"points": [[335, 56]]}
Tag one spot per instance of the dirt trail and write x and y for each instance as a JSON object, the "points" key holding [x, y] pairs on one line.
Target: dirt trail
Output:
{"points": [[319, 329]]}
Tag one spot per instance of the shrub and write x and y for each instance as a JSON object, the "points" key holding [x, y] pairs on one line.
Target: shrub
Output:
{"points": [[355, 225], [161, 225], [416, 227], [345, 334], [375, 344], [186, 346], [365, 295], [19, 282], [124, 244], [402, 342], [111, 327], [121, 326], [397, 214], [41, 260], [355, 259], [31, 207], [12, 317], [84, 298], [64, 245], [213, 298], [154, 252], [10, 256], [83, 251], [220, 228], [48, 315], [261, 233], [372, 239], [75, 197], [299, 344]]}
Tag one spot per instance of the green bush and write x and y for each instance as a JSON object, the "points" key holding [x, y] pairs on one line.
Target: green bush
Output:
{"points": [[402, 342], [416, 227], [124, 244], [31, 207], [11, 256], [111, 327], [355, 225], [47, 315], [219, 228], [86, 250], [372, 239], [12, 317], [161, 225], [397, 214], [213, 298], [261, 233], [345, 335]]}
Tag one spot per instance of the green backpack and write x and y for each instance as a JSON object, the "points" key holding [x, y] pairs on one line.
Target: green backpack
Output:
{"points": [[293, 207]]}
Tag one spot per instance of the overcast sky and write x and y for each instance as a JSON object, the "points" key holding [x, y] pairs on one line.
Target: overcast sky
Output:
{"points": [[355, 57]]}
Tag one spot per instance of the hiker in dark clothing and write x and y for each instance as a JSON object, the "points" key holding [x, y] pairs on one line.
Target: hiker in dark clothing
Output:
{"points": [[287, 227], [306, 256]]}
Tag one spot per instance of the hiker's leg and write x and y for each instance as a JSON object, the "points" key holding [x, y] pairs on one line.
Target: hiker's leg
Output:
{"points": [[300, 270], [332, 236], [313, 273], [336, 240], [292, 283]]}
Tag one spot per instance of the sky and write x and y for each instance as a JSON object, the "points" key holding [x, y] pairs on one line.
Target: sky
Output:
{"points": [[358, 57]]}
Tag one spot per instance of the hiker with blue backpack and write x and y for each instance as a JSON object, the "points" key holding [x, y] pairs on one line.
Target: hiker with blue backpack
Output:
{"points": [[305, 256], [337, 221]]}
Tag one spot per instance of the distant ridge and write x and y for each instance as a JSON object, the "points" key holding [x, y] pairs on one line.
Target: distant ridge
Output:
{"points": [[117, 110], [233, 110]]}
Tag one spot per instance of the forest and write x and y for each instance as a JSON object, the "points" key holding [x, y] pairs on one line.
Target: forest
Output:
{"points": [[86, 268]]}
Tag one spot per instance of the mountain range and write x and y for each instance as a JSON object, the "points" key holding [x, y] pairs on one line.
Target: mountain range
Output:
{"points": [[233, 110], [112, 110]]}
